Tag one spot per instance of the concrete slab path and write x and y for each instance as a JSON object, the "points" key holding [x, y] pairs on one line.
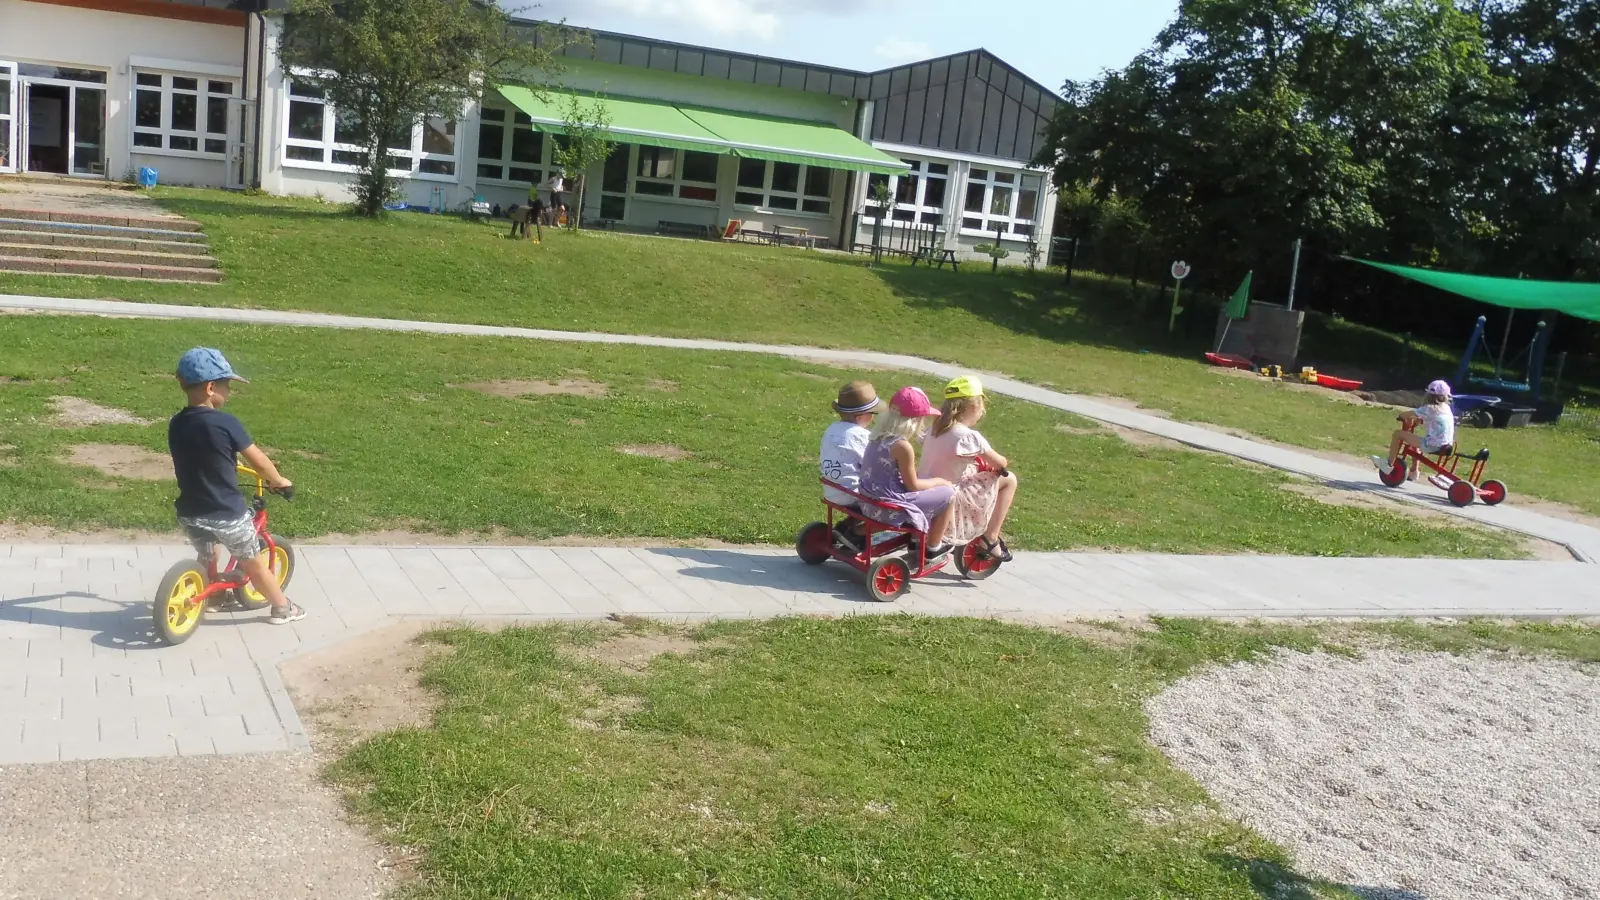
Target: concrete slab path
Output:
{"points": [[1583, 540], [82, 677]]}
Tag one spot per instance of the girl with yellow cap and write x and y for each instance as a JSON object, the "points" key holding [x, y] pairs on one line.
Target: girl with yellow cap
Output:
{"points": [[982, 498]]}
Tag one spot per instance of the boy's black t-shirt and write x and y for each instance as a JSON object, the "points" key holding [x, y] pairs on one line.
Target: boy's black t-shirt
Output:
{"points": [[203, 442]]}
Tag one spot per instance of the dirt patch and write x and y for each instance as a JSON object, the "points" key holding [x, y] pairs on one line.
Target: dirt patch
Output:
{"points": [[662, 384], [76, 412], [121, 461], [655, 451], [1080, 430], [848, 364], [29, 382], [1137, 438], [635, 651], [576, 422], [8, 458], [811, 375], [365, 686], [576, 387]]}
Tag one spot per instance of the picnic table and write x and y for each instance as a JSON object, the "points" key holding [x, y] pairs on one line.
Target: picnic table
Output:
{"points": [[929, 254]]}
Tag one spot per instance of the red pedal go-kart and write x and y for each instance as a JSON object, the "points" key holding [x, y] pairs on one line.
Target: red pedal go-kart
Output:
{"points": [[1461, 490], [890, 555]]}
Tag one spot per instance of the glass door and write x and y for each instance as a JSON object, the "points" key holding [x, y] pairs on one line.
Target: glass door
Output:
{"points": [[614, 184], [88, 131], [8, 117]]}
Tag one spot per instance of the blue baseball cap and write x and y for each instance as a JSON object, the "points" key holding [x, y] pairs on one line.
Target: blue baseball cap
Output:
{"points": [[203, 364]]}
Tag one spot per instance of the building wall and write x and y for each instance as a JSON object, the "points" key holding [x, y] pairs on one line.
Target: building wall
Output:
{"points": [[95, 39]]}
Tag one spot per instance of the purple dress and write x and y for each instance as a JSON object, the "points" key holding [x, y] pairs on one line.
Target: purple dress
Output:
{"points": [[880, 480]]}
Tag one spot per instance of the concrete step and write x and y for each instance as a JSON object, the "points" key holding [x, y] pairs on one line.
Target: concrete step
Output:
{"points": [[10, 222], [42, 266], [95, 254], [56, 238], [115, 220]]}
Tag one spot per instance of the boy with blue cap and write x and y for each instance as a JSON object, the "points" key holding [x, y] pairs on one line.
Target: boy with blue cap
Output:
{"points": [[205, 443]]}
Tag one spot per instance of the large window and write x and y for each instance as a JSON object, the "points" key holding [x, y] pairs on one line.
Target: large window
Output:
{"points": [[1004, 202], [316, 135], [7, 118], [784, 185], [684, 174], [509, 149], [183, 114], [918, 195]]}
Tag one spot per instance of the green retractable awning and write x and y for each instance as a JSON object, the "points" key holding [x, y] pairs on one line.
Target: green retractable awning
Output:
{"points": [[661, 124], [633, 121], [787, 140], [1580, 299]]}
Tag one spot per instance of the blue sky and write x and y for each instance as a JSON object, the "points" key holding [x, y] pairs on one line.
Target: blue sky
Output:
{"points": [[1049, 40]]}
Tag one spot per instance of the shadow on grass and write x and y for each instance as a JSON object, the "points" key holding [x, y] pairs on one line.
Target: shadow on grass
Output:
{"points": [[1273, 881]]}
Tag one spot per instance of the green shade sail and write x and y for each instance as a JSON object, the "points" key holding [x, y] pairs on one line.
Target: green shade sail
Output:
{"points": [[1579, 299], [724, 132]]}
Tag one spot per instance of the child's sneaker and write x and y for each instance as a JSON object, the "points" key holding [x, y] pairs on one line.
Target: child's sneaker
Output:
{"points": [[289, 612], [1383, 464]]}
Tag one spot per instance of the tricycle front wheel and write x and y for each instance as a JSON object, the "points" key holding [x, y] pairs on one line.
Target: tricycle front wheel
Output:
{"points": [[1492, 492]]}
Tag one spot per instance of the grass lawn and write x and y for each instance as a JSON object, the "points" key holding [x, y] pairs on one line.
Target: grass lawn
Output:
{"points": [[378, 433], [869, 757], [296, 254]]}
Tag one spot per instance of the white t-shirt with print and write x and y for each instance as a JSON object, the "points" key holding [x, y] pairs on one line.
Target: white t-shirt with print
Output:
{"points": [[840, 458], [1439, 426], [947, 455]]}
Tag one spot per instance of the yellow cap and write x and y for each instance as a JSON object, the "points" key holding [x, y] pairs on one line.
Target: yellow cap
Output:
{"points": [[965, 386]]}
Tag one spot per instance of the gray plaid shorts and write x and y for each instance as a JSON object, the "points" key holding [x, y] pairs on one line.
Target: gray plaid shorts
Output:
{"points": [[238, 535]]}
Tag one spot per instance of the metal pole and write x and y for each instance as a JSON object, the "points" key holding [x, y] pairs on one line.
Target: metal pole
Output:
{"points": [[1505, 339], [1561, 364], [1294, 273]]}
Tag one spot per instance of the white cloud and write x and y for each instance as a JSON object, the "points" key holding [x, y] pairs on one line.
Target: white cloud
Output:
{"points": [[899, 50], [753, 18]]}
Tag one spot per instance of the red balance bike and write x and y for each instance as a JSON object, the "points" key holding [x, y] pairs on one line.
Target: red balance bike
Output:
{"points": [[890, 555], [189, 587], [1461, 490]]}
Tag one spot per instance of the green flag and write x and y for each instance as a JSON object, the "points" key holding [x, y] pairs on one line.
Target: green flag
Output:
{"points": [[1240, 304]]}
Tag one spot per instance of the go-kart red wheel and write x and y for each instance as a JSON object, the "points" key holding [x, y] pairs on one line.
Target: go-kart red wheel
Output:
{"points": [[1396, 475], [887, 578], [973, 563], [1461, 493], [814, 544], [1492, 492]]}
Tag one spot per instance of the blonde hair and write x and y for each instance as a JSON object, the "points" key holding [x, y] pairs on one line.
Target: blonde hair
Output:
{"points": [[954, 409], [892, 425]]}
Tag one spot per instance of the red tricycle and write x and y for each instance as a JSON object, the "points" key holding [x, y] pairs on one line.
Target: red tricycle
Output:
{"points": [[890, 555], [1461, 491]]}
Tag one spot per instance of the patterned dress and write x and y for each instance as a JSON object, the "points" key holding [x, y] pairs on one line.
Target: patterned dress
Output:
{"points": [[880, 479]]}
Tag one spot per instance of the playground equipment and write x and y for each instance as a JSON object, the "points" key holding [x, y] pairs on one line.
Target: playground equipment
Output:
{"points": [[1532, 358]]}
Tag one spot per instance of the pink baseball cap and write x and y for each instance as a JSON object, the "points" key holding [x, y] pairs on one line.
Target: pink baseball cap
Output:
{"points": [[912, 403], [1439, 389]]}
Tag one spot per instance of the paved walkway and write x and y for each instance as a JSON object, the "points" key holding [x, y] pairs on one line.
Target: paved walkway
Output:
{"points": [[1582, 540], [81, 676]]}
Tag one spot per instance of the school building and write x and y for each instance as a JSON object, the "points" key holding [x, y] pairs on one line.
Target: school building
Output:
{"points": [[98, 89]]}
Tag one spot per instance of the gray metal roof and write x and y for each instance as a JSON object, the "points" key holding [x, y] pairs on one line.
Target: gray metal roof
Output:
{"points": [[972, 102], [247, 6]]}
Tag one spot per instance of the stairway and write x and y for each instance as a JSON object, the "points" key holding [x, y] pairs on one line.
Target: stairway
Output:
{"points": [[54, 242]]}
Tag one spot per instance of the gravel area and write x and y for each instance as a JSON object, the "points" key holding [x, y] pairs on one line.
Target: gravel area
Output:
{"points": [[1404, 776]]}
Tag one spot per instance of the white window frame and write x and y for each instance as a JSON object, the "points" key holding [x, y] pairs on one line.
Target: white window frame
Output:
{"points": [[800, 196], [202, 133], [992, 179], [12, 91], [413, 154], [676, 182], [509, 126], [922, 213]]}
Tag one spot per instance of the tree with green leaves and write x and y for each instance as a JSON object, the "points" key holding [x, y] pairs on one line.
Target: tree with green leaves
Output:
{"points": [[387, 65], [585, 143]]}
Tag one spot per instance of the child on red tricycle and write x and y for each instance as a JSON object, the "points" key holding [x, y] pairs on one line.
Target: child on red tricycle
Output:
{"points": [[1434, 448]]}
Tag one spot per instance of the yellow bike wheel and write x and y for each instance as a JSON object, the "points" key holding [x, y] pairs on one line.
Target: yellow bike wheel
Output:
{"points": [[179, 605], [281, 561]]}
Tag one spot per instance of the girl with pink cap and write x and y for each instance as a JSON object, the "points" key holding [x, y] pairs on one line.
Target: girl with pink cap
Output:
{"points": [[1438, 428], [889, 471]]}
